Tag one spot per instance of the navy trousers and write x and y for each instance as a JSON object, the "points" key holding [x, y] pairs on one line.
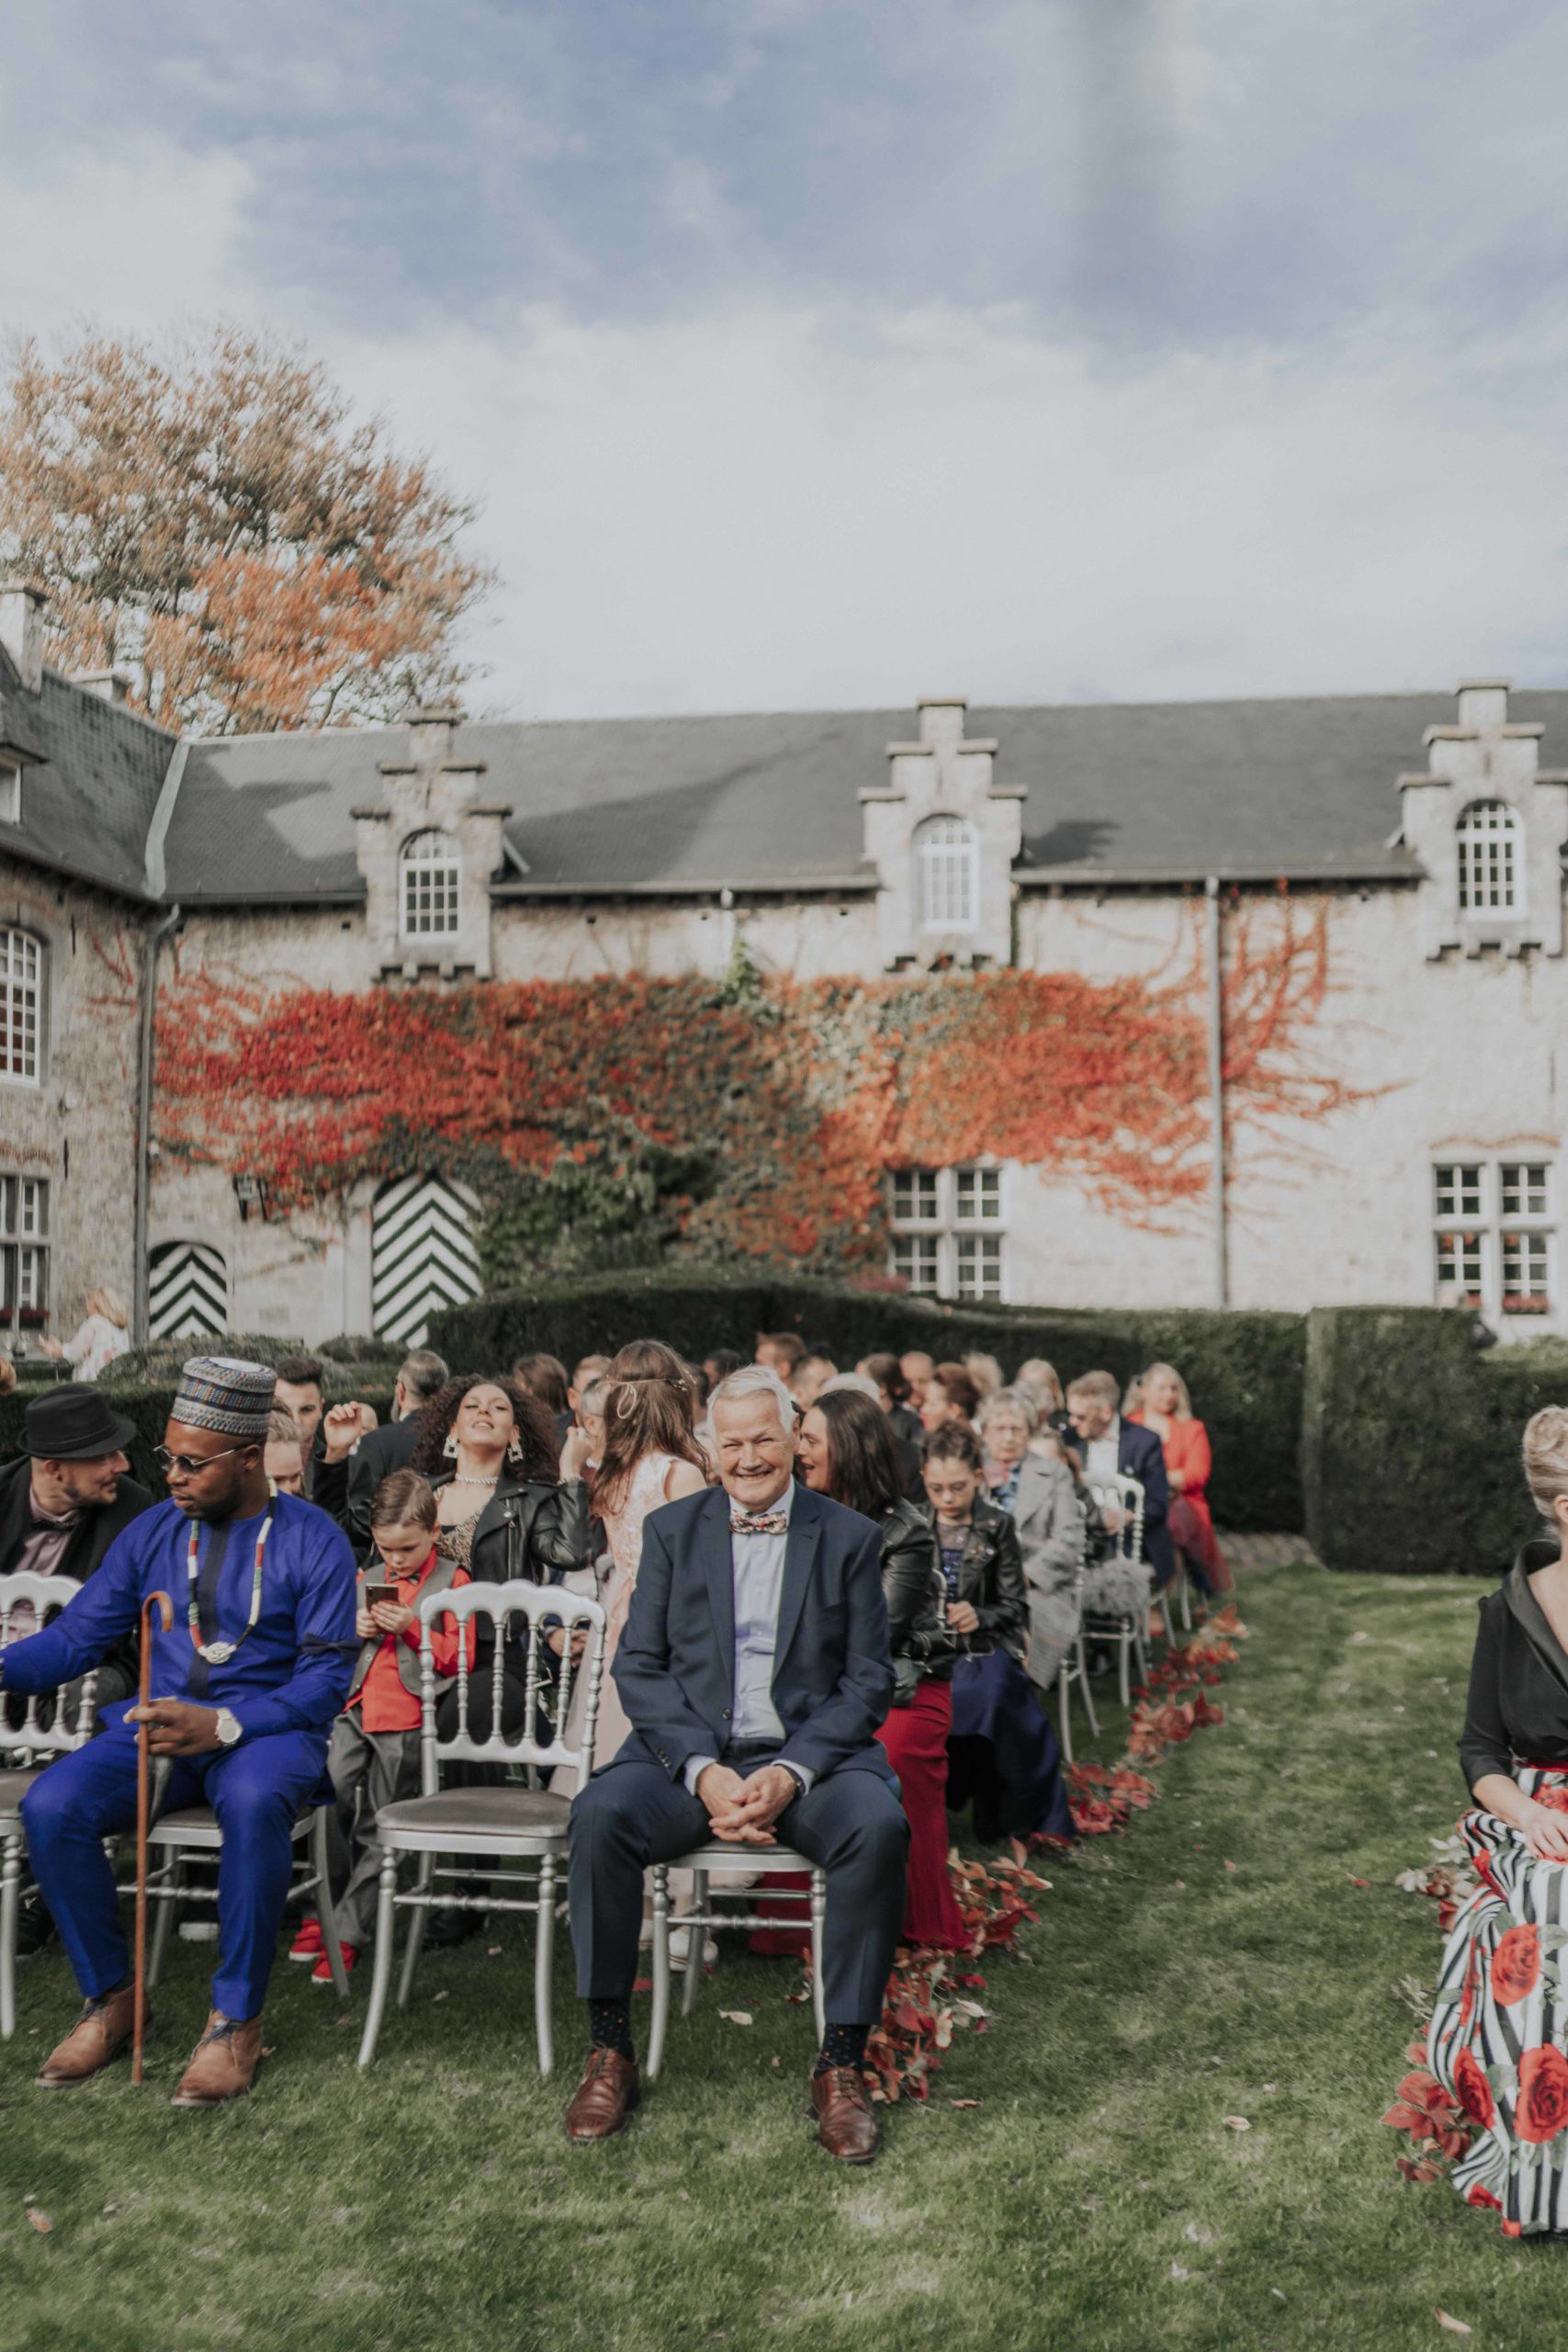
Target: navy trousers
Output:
{"points": [[852, 1823], [256, 1791]]}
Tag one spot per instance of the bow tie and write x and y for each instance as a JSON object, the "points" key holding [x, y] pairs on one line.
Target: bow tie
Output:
{"points": [[760, 1522]]}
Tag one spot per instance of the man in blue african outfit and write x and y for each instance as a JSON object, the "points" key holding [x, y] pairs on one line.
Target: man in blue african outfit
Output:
{"points": [[245, 1689]]}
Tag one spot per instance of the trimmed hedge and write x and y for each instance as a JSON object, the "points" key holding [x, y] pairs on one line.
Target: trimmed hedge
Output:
{"points": [[1246, 1371]]}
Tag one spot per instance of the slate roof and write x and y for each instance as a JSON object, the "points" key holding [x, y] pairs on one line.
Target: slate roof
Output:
{"points": [[87, 808], [1116, 793]]}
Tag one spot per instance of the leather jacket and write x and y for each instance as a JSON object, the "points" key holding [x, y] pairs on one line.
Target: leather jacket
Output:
{"points": [[527, 1532], [990, 1578], [916, 1591]]}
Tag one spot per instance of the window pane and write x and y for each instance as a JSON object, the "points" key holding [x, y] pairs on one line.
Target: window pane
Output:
{"points": [[1488, 835], [21, 991], [947, 873], [1458, 1268], [915, 1257], [7, 1205], [1457, 1189], [35, 1207], [914, 1195], [30, 1292], [432, 880], [1527, 1188], [978, 1196], [979, 1265], [1527, 1273]]}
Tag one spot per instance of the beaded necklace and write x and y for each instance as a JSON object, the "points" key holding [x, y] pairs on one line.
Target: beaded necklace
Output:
{"points": [[219, 1653]]}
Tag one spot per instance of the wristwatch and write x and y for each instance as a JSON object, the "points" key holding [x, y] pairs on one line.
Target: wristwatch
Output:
{"points": [[229, 1726]]}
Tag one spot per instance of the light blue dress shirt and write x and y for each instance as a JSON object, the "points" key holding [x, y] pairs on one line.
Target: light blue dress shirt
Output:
{"points": [[757, 1567]]}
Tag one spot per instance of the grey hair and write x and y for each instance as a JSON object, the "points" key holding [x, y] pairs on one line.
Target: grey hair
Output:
{"points": [[594, 1395], [860, 1384], [424, 1374], [1008, 1400], [756, 1379]]}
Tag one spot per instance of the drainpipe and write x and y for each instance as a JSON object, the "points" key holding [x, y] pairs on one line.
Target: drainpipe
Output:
{"points": [[139, 1312], [1217, 1094]]}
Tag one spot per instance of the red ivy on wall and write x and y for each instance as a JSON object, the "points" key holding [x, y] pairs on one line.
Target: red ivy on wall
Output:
{"points": [[805, 1093]]}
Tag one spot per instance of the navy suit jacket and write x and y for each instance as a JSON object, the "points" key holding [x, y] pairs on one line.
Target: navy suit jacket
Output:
{"points": [[832, 1668], [1139, 1455]]}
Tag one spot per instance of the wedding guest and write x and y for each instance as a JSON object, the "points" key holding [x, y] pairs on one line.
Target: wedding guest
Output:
{"points": [[283, 1457], [846, 1450], [1002, 1755], [893, 1391], [984, 1370], [950, 1395], [358, 1453], [1040, 1383], [589, 1369], [718, 1363], [916, 1369], [8, 1373], [103, 1334], [590, 1420], [1111, 1446], [1159, 1401], [780, 1351], [1501, 2013], [544, 1376], [1037, 1489], [810, 1376], [298, 1390], [502, 1511]]}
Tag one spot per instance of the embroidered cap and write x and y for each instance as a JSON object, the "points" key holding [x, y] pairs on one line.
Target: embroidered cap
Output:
{"points": [[219, 1393]]}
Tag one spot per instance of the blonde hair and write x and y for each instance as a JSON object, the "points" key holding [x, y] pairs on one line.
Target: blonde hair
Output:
{"points": [[1035, 1374], [109, 1305], [1545, 1452], [1133, 1400], [985, 1371]]}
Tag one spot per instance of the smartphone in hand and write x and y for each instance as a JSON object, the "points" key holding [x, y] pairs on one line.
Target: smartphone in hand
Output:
{"points": [[370, 1594]]}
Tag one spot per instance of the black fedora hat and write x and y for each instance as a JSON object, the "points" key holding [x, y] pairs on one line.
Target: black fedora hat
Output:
{"points": [[73, 1423]]}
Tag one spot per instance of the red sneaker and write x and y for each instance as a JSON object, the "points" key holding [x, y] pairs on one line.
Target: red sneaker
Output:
{"points": [[322, 1971], [307, 1944]]}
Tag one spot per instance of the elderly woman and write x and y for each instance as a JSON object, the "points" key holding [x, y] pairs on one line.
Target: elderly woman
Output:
{"points": [[1158, 1400], [1038, 1490], [1502, 2007]]}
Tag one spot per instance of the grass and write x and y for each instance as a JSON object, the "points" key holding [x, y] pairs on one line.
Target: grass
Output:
{"points": [[1094, 2199]]}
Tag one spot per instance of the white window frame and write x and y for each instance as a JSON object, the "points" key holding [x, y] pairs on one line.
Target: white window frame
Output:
{"points": [[947, 875], [433, 875], [1489, 853], [946, 1223], [1472, 1216], [10, 791], [24, 1248], [23, 966]]}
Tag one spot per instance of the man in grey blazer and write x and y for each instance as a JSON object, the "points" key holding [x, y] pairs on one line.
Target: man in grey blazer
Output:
{"points": [[1049, 1517]]}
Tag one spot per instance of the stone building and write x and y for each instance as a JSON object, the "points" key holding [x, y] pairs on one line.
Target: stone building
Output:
{"points": [[1417, 844]]}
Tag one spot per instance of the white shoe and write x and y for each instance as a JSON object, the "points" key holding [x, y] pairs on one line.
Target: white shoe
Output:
{"points": [[680, 1947]]}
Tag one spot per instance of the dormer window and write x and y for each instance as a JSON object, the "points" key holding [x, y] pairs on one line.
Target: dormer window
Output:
{"points": [[1489, 859], [432, 876], [10, 791], [947, 868]]}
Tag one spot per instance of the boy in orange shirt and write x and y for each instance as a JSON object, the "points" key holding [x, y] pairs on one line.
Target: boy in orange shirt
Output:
{"points": [[374, 1755]]}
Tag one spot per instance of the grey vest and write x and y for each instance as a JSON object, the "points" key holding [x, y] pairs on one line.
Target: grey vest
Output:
{"points": [[438, 1580]]}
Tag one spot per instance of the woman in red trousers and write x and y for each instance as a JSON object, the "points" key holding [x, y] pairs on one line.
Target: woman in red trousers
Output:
{"points": [[846, 1450]]}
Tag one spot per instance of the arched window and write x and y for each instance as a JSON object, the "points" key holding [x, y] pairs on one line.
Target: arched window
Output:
{"points": [[21, 1006], [947, 875], [431, 881], [1489, 858]]}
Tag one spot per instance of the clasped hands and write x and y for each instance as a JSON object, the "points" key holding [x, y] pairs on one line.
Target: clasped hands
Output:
{"points": [[742, 1811]]}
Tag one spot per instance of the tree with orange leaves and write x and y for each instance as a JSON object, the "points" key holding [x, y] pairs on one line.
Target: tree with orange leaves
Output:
{"points": [[215, 519]]}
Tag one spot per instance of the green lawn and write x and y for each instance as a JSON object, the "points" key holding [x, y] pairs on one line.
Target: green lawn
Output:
{"points": [[1094, 2198]]}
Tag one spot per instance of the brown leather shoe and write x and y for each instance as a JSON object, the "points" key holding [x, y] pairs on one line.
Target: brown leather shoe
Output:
{"points": [[223, 2064], [104, 2029], [846, 2122], [603, 2098]]}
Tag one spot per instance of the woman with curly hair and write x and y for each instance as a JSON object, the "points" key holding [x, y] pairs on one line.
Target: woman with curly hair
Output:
{"points": [[1496, 2042], [650, 1456]]}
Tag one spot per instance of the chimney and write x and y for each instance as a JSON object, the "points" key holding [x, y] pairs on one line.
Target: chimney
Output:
{"points": [[21, 630], [433, 734], [1483, 703], [109, 686]]}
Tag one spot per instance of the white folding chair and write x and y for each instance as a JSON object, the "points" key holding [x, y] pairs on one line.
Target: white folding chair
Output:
{"points": [[31, 1731], [1075, 1669], [716, 1855], [1127, 1634], [512, 1822]]}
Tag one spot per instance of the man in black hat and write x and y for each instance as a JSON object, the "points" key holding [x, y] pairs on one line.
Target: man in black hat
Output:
{"points": [[61, 1508]]}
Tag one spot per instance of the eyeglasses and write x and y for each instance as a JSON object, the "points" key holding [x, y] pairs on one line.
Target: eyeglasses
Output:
{"points": [[189, 1465]]}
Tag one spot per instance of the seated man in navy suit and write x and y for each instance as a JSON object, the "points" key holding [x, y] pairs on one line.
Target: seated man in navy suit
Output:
{"points": [[1110, 1445], [755, 1669]]}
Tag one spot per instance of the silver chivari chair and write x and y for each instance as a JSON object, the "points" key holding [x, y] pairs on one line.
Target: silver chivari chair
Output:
{"points": [[32, 1730], [179, 1837], [1074, 1668], [1127, 1634], [715, 1910], [517, 1821]]}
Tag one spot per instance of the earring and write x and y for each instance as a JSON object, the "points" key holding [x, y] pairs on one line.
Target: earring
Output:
{"points": [[514, 1451], [450, 1448]]}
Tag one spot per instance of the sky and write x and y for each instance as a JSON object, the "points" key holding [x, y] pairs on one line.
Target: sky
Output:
{"points": [[832, 353]]}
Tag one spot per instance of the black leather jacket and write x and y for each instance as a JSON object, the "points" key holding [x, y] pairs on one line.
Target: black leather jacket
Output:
{"points": [[990, 1578], [914, 1590], [530, 1532]]}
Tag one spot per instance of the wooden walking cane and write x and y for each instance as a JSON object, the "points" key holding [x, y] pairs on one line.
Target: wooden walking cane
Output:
{"points": [[164, 1606]]}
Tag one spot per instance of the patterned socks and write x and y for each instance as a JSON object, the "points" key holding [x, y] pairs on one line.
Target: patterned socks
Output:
{"points": [[610, 2026], [844, 2045]]}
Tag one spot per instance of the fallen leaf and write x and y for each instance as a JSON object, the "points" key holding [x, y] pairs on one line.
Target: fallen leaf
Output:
{"points": [[736, 2017], [43, 2225], [643, 1985], [493, 1950], [1358, 1881], [111, 2209], [269, 2050], [772, 2062], [1230, 1866], [1279, 2298], [1178, 2271], [1269, 2087], [1360, 1637], [1238, 2123], [1454, 2326], [1181, 1884], [439, 1996], [684, 2195], [1197, 2233], [963, 2102]]}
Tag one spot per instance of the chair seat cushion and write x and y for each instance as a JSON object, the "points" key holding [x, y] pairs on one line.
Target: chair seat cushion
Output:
{"points": [[717, 1856], [523, 1812], [13, 1787], [196, 1826]]}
